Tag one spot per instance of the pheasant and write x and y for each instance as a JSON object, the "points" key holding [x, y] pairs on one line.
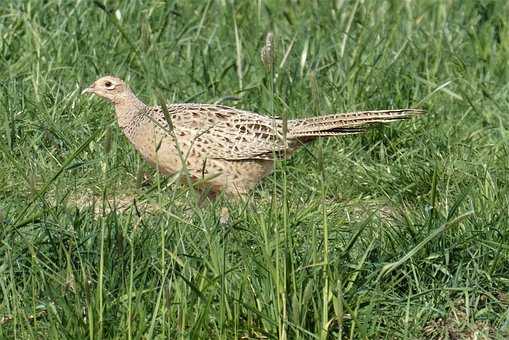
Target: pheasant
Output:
{"points": [[221, 148]]}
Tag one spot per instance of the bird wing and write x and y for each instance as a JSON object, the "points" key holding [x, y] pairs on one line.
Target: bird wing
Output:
{"points": [[226, 133], [245, 138]]}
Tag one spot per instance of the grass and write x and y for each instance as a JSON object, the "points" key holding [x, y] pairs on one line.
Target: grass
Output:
{"points": [[401, 232]]}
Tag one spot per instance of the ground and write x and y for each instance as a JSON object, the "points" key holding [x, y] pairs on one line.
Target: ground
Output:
{"points": [[399, 233]]}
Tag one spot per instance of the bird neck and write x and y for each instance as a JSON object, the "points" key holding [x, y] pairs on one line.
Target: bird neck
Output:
{"points": [[127, 108]]}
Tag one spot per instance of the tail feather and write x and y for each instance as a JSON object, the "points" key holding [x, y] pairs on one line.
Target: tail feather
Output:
{"points": [[345, 123]]}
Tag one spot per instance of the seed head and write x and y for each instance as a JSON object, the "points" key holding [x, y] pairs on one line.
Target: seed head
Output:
{"points": [[267, 53]]}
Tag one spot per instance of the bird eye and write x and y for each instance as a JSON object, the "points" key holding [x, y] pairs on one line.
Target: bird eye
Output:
{"points": [[108, 84]]}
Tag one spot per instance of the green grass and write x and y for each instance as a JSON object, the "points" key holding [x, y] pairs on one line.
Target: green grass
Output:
{"points": [[402, 232]]}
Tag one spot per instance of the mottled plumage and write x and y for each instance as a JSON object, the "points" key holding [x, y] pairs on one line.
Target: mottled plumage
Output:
{"points": [[231, 150]]}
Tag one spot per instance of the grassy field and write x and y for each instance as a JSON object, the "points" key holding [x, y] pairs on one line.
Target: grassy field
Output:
{"points": [[399, 233]]}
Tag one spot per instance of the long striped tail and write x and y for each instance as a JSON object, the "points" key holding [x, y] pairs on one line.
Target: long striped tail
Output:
{"points": [[345, 123]]}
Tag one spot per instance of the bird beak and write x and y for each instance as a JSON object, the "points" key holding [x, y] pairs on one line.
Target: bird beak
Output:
{"points": [[89, 89]]}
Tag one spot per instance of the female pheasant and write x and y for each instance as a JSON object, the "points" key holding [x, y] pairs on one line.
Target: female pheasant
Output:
{"points": [[230, 150]]}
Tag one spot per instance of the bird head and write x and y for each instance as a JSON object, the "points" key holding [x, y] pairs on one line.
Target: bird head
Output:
{"points": [[110, 88]]}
